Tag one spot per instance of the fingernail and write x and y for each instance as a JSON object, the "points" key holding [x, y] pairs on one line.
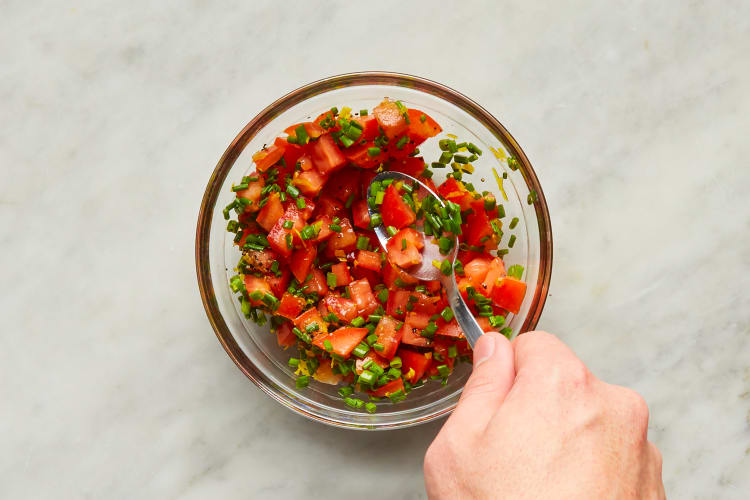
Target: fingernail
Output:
{"points": [[484, 349]]}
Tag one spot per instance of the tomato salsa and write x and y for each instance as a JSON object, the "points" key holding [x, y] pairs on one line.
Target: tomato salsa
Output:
{"points": [[313, 269]]}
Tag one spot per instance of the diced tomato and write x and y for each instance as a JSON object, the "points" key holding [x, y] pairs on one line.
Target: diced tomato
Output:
{"points": [[413, 364], [345, 240], [369, 127], [508, 293], [317, 283], [325, 374], [327, 115], [253, 283], [396, 303], [279, 283], [450, 329], [417, 319], [455, 191], [252, 193], [359, 155], [478, 227], [306, 163], [266, 158], [407, 147], [404, 248], [343, 184], [301, 262], [284, 335], [341, 271], [390, 119], [395, 211], [433, 286], [388, 336], [363, 297], [495, 271], [313, 129], [484, 324], [343, 340], [345, 309], [476, 269], [306, 212], [323, 223], [388, 389], [365, 178], [375, 357], [413, 166], [271, 212], [440, 356], [328, 206], [309, 182], [290, 306], [326, 155], [419, 131], [392, 273], [368, 260], [277, 235], [360, 215], [292, 153], [411, 337], [309, 317]]}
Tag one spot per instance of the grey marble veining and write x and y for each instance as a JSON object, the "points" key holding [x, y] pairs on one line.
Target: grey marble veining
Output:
{"points": [[113, 114]]}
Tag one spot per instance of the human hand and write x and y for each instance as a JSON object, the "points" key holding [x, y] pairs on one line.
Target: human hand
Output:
{"points": [[533, 422]]}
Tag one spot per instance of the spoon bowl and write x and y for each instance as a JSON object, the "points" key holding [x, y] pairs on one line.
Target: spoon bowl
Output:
{"points": [[427, 270]]}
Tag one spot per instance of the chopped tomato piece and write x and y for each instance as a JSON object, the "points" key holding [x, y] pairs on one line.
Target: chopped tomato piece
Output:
{"points": [[341, 271], [253, 283], [308, 318], [360, 215], [327, 155], [266, 158], [271, 212], [478, 229], [313, 129], [363, 297], [277, 235], [404, 248], [476, 270], [395, 211], [391, 275], [343, 340], [421, 130], [418, 319], [345, 309], [388, 336], [450, 329], [252, 193], [413, 166], [329, 206], [388, 389], [360, 155], [344, 184], [325, 374], [369, 127], [284, 335], [495, 271], [290, 306], [455, 191], [508, 293], [309, 182], [345, 240], [411, 336], [413, 364], [292, 153], [368, 260], [375, 357], [390, 118], [317, 283], [301, 262], [279, 283]]}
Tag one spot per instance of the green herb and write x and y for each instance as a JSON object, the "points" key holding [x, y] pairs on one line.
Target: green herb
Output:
{"points": [[346, 391], [447, 314], [371, 407], [515, 271], [358, 322], [302, 381], [512, 241], [361, 350], [374, 151], [331, 280]]}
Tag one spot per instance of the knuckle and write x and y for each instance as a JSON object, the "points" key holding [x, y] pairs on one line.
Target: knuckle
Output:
{"points": [[570, 375], [656, 454], [634, 408]]}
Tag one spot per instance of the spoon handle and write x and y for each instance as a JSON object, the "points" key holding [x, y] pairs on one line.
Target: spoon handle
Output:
{"points": [[461, 311]]}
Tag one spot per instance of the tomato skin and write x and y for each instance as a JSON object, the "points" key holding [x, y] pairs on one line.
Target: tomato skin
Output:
{"points": [[508, 293], [413, 166], [341, 271], [369, 127], [391, 273], [388, 336], [309, 182], [252, 193], [279, 284], [390, 119], [253, 283], [359, 155], [395, 211], [326, 155], [318, 283], [277, 234], [404, 248], [412, 360], [450, 329], [476, 269], [343, 184], [309, 317], [301, 262], [271, 212], [363, 297], [360, 214], [343, 340], [266, 158], [329, 206], [455, 191], [284, 335], [368, 260], [290, 306], [344, 241], [342, 307], [387, 389], [419, 131], [477, 227]]}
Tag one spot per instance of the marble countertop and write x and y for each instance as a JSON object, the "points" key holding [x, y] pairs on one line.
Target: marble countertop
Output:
{"points": [[113, 385]]}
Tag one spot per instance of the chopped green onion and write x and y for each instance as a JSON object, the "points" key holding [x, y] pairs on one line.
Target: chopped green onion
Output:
{"points": [[452, 351], [436, 164], [443, 370], [288, 240], [401, 143], [515, 271], [446, 267], [460, 159], [363, 242], [336, 228], [383, 295], [447, 314], [239, 187], [346, 391], [346, 141], [302, 381], [379, 197], [391, 230], [358, 321], [293, 191], [396, 362], [512, 241], [361, 350], [371, 339], [374, 151], [513, 223], [371, 407], [374, 318], [354, 402], [507, 331], [293, 363], [367, 377], [331, 280], [327, 345], [376, 220], [378, 347], [363, 112], [422, 118]]}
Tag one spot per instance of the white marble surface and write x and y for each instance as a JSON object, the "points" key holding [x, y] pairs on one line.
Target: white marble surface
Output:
{"points": [[113, 114]]}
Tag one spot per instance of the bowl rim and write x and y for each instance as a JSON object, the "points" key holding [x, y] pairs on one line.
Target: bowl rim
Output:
{"points": [[227, 160]]}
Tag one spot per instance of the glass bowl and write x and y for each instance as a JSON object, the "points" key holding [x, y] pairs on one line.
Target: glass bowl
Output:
{"points": [[254, 349]]}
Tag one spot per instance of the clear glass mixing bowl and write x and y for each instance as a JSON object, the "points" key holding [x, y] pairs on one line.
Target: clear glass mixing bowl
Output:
{"points": [[254, 349]]}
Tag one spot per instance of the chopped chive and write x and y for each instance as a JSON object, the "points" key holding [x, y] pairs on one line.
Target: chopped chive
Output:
{"points": [[395, 362], [358, 321], [445, 157], [327, 345], [500, 211], [374, 151], [363, 242], [293, 191], [507, 331], [288, 240], [379, 197], [361, 350], [443, 370], [288, 224], [452, 351], [302, 381], [515, 271], [383, 295], [354, 402], [376, 220], [512, 241], [391, 230], [336, 228], [346, 141], [447, 314], [403, 244], [331, 280], [460, 159], [239, 187], [349, 201], [346, 390], [374, 318], [446, 267], [378, 347], [422, 118], [371, 407], [436, 164], [371, 339], [363, 112], [513, 163], [293, 363], [401, 143], [301, 203], [513, 223]]}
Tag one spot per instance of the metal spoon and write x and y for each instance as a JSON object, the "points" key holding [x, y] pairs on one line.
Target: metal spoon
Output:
{"points": [[426, 270]]}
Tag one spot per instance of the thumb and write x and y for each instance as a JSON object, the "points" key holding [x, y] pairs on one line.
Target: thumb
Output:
{"points": [[489, 383]]}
